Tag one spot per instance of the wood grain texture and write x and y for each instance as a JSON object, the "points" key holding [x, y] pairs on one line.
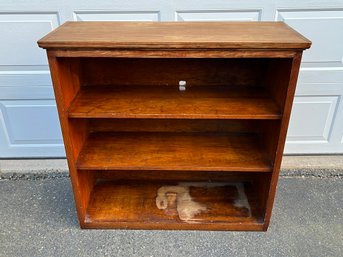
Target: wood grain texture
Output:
{"points": [[175, 125], [281, 139], [172, 53], [172, 176], [66, 83], [168, 102], [191, 35], [173, 151], [145, 72], [133, 205], [278, 73]]}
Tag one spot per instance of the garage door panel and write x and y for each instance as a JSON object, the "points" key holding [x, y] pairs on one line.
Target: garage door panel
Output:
{"points": [[316, 126], [24, 73], [31, 122], [29, 92], [132, 15], [20, 31], [25, 85], [326, 78], [218, 15], [312, 118], [322, 27]]}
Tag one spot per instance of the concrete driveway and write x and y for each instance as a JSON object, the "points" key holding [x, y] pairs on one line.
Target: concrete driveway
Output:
{"points": [[38, 219]]}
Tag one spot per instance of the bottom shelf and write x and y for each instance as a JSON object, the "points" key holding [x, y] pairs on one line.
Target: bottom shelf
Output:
{"points": [[169, 205]]}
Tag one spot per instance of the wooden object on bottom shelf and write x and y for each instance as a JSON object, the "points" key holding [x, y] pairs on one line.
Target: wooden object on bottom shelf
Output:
{"points": [[174, 125]]}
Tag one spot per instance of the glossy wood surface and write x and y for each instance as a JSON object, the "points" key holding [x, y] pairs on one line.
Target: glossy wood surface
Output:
{"points": [[205, 102], [233, 35], [134, 205], [173, 151], [66, 81]]}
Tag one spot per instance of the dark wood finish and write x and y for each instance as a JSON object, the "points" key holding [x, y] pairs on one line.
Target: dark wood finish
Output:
{"points": [[172, 176], [173, 151], [171, 53], [131, 136], [175, 125], [199, 102], [190, 35], [281, 70], [196, 72], [292, 82], [134, 205]]}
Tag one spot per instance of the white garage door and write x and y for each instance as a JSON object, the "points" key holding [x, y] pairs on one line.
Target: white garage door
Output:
{"points": [[28, 118]]}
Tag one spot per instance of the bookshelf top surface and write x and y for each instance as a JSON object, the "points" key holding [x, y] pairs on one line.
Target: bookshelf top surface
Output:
{"points": [[175, 35]]}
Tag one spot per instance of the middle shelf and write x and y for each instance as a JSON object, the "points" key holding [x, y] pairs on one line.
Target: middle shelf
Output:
{"points": [[197, 102], [174, 151]]}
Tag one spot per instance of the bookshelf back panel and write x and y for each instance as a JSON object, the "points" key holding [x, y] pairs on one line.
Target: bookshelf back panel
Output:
{"points": [[173, 125], [169, 71]]}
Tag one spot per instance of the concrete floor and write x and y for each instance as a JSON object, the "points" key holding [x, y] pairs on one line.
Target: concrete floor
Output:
{"points": [[38, 219]]}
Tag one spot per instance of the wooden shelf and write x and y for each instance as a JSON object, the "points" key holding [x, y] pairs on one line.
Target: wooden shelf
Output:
{"points": [[159, 205], [173, 151], [198, 102]]}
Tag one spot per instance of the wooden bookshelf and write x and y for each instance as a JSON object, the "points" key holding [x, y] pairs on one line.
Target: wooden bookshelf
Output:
{"points": [[168, 127]]}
